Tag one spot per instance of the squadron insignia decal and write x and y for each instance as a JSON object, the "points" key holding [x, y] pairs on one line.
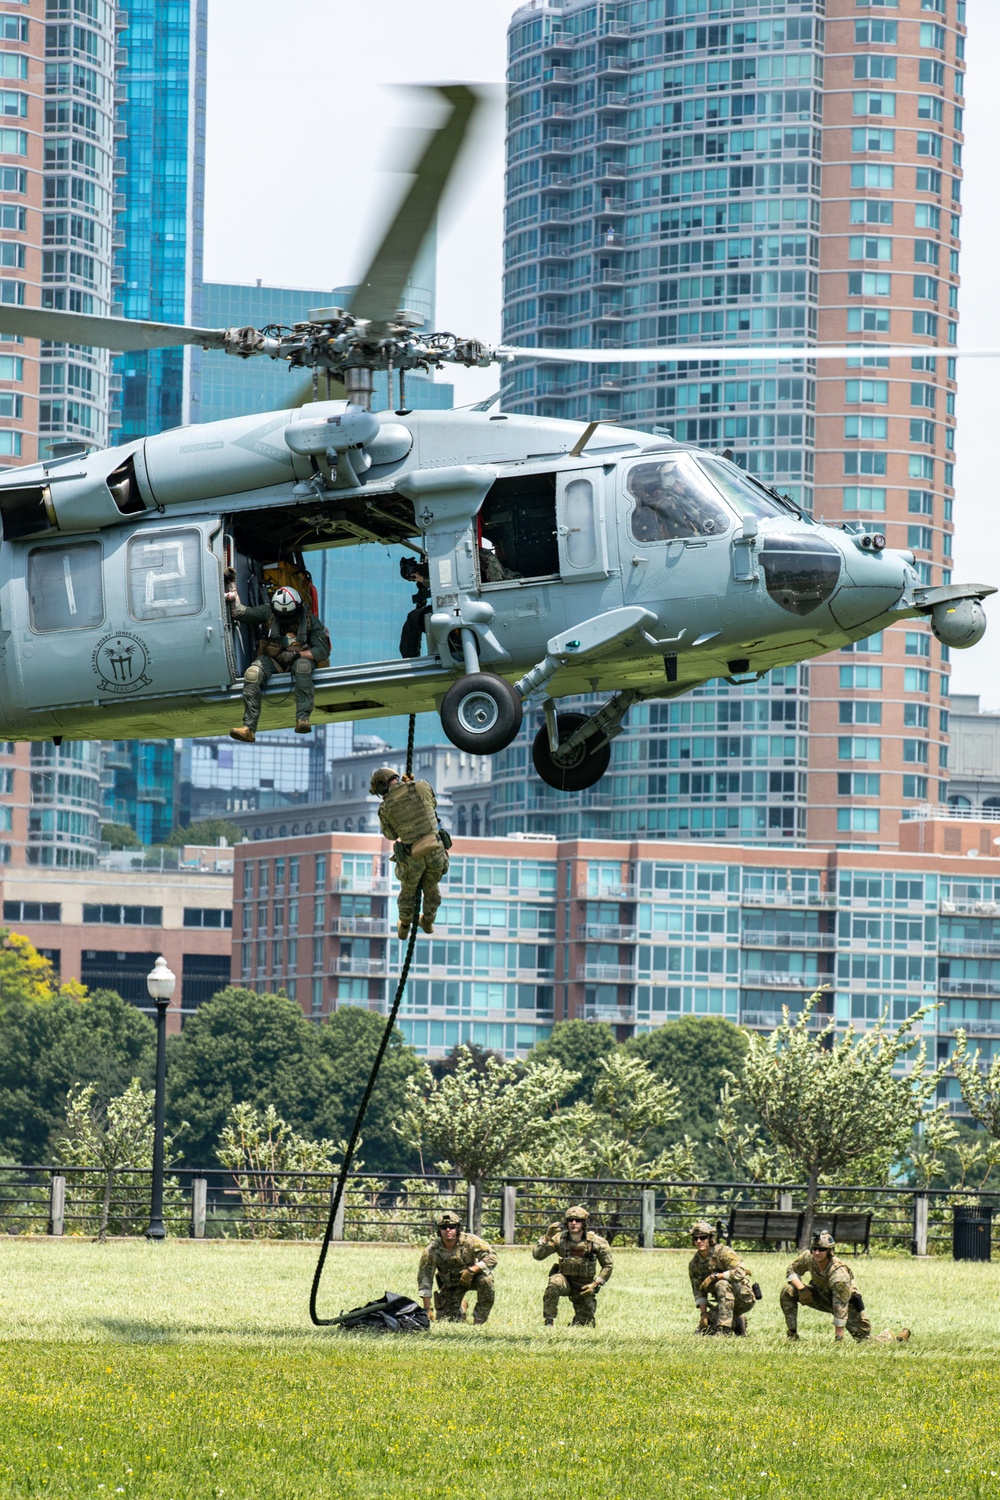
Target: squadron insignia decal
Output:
{"points": [[122, 663]]}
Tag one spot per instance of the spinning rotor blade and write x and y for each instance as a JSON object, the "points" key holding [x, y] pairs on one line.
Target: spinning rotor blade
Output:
{"points": [[738, 353], [104, 333], [379, 292]]}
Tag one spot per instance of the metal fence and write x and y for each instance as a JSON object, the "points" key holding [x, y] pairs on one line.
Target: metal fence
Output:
{"points": [[261, 1204]]}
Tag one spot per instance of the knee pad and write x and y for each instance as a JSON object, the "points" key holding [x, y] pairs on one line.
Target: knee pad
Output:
{"points": [[252, 673]]}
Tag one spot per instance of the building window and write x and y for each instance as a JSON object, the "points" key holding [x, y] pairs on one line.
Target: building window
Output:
{"points": [[865, 463], [874, 65], [918, 643], [868, 497], [869, 247], [112, 915], [858, 746], [917, 715], [865, 211], [873, 429], [320, 872], [871, 174], [868, 320], [869, 392], [857, 819], [922, 431], [915, 752], [875, 104], [915, 788], [859, 784], [930, 107], [873, 138], [919, 538], [921, 466], [208, 916], [32, 911]]}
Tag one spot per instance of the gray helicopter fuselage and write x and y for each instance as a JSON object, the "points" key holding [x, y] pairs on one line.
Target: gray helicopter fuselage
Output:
{"points": [[114, 622]]}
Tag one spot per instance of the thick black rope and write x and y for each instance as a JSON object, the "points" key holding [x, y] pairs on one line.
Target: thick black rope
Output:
{"points": [[345, 1165]]}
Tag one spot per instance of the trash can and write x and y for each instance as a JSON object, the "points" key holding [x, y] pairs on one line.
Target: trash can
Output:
{"points": [[972, 1230]]}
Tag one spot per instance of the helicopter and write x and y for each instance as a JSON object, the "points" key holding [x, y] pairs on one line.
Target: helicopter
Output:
{"points": [[559, 561]]}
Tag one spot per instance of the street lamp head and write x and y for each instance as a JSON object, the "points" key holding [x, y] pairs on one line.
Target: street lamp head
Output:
{"points": [[161, 982]]}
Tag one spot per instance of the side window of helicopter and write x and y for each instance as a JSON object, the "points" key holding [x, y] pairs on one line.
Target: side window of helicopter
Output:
{"points": [[65, 587], [673, 500], [517, 530], [164, 575]]}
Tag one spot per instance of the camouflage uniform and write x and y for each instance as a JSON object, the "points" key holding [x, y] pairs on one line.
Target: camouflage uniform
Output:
{"points": [[832, 1290], [448, 1266], [733, 1290], [304, 631], [408, 815], [577, 1267]]}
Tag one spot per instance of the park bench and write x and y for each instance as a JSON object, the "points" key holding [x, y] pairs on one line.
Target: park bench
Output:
{"points": [[773, 1225]]}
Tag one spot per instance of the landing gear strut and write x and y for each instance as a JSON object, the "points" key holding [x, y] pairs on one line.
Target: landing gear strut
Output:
{"points": [[572, 751]]}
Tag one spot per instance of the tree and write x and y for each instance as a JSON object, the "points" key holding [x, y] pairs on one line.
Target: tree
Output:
{"points": [[696, 1053], [266, 1155], [479, 1121], [980, 1087], [579, 1046], [242, 1048], [348, 1043], [46, 1048], [107, 1138], [832, 1103], [440, 1067], [209, 831], [120, 836], [26, 975]]}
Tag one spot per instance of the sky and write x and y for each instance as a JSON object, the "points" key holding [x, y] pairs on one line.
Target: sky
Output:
{"points": [[307, 117]]}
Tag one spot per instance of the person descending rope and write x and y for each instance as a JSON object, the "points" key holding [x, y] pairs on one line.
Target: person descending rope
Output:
{"points": [[408, 816]]}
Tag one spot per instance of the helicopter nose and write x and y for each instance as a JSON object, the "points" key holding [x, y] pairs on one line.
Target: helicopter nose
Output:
{"points": [[872, 581]]}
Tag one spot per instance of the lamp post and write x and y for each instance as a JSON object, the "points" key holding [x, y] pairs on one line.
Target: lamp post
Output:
{"points": [[160, 983]]}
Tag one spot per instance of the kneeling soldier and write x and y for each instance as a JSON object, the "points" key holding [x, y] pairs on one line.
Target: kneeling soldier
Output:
{"points": [[576, 1276], [461, 1261], [717, 1272], [831, 1289]]}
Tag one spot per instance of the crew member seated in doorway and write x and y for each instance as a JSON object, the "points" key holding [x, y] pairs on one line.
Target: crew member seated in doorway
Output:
{"points": [[408, 816], [414, 570], [491, 567], [293, 639]]}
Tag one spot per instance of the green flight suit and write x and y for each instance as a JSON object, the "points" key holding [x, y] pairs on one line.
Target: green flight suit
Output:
{"points": [[448, 1266], [305, 630], [832, 1290], [577, 1267], [732, 1289], [408, 815]]}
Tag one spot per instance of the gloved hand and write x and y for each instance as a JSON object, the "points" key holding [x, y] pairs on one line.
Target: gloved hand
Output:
{"points": [[273, 649], [467, 1277], [592, 1286], [285, 659], [229, 577], [710, 1281]]}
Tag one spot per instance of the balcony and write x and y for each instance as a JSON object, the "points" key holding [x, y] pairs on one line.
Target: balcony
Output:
{"points": [[360, 926], [608, 276], [610, 208], [770, 979], [613, 1015], [767, 1020], [373, 885], [613, 169], [971, 1028], [553, 320], [819, 899], [554, 251], [558, 75], [622, 890], [555, 180], [986, 988], [372, 968], [611, 99], [970, 908], [819, 942], [969, 948], [550, 215], [597, 932], [614, 134], [606, 973]]}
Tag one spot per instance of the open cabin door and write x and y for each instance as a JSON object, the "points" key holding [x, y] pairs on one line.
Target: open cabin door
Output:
{"points": [[119, 616], [581, 525]]}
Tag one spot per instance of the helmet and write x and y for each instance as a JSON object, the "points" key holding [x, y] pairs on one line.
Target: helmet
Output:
{"points": [[448, 1220], [823, 1240], [487, 545], [577, 1211], [285, 601], [382, 780], [702, 1226]]}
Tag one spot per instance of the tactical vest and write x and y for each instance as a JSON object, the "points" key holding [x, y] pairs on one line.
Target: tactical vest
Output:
{"points": [[410, 808]]}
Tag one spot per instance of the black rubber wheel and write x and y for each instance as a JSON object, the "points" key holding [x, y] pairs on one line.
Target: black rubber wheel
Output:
{"points": [[481, 713], [586, 767]]}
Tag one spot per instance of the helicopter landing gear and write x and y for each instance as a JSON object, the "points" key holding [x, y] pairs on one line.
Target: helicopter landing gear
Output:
{"points": [[577, 768], [583, 751], [481, 713]]}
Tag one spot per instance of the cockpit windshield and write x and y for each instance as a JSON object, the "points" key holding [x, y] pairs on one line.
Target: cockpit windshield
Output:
{"points": [[672, 500], [745, 494]]}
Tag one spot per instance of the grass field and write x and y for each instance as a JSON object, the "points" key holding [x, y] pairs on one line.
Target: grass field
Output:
{"points": [[191, 1370]]}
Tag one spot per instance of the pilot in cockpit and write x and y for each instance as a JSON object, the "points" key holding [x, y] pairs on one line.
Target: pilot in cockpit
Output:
{"points": [[669, 505]]}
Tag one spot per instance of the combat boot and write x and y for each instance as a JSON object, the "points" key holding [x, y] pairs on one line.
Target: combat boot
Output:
{"points": [[792, 1335], [402, 931], [427, 924], [245, 735], [303, 726], [550, 1322], [740, 1326]]}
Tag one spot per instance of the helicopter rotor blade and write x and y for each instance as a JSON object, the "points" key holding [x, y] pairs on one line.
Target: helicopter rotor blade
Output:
{"points": [[379, 292], [303, 394], [739, 353], [104, 333]]}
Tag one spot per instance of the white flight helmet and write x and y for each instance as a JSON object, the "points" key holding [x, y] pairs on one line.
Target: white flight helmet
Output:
{"points": [[286, 601]]}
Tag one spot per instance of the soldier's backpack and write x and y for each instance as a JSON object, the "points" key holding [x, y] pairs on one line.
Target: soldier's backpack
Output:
{"points": [[392, 1313]]}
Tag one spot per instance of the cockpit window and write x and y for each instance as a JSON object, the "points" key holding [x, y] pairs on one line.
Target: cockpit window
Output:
{"points": [[743, 493], [673, 500]]}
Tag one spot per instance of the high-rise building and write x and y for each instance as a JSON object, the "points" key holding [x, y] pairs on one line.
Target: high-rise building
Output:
{"points": [[788, 172], [159, 205]]}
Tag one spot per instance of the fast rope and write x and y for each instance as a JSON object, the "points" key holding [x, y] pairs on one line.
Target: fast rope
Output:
{"points": [[345, 1165]]}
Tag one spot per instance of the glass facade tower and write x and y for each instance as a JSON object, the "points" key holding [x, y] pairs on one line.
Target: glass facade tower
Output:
{"points": [[160, 132], [690, 171]]}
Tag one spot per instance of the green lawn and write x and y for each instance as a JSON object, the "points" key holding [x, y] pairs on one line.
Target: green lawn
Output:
{"points": [[192, 1370]]}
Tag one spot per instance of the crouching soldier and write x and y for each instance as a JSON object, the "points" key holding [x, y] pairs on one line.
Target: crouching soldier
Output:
{"points": [[719, 1276], [408, 816], [831, 1289], [461, 1262], [584, 1266]]}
